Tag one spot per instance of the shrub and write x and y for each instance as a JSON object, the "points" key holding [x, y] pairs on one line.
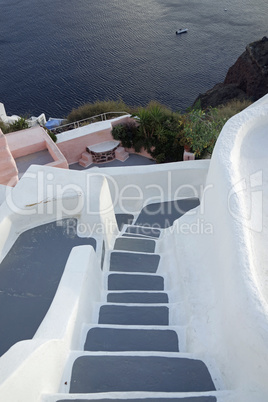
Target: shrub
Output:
{"points": [[4, 127], [126, 133], [51, 134], [157, 130], [160, 132], [200, 132], [93, 109], [230, 109], [18, 125], [201, 128]]}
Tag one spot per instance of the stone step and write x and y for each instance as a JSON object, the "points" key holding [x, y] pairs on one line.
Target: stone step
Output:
{"points": [[93, 374], [206, 398], [114, 339], [121, 154], [86, 156], [143, 231], [134, 262], [133, 315], [135, 282], [84, 163], [86, 159], [137, 297], [163, 214], [135, 244], [133, 235], [123, 219]]}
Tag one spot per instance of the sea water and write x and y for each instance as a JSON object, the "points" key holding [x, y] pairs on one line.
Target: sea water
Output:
{"points": [[59, 54]]}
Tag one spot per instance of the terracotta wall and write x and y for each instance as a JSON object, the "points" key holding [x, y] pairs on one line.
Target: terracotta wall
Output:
{"points": [[25, 142], [73, 149], [8, 168], [35, 139]]}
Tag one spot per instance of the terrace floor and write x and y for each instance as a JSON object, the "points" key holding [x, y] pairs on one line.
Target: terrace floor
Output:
{"points": [[133, 160], [37, 158]]}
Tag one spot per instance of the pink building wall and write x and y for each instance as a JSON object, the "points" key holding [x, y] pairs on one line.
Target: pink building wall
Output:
{"points": [[72, 149], [8, 168], [35, 139]]}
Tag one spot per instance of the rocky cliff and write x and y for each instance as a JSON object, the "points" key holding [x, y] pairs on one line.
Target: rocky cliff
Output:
{"points": [[246, 79]]}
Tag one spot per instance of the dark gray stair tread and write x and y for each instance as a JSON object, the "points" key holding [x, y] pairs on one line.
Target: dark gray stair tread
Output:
{"points": [[144, 231], [134, 262], [187, 399], [163, 214], [137, 297], [135, 235], [91, 374], [134, 315], [123, 219], [113, 339], [135, 282], [131, 244]]}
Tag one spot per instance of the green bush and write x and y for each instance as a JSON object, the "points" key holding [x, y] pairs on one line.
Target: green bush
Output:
{"points": [[99, 107], [230, 109], [4, 127], [200, 132], [160, 132], [18, 125], [126, 133], [52, 135], [200, 129], [157, 130]]}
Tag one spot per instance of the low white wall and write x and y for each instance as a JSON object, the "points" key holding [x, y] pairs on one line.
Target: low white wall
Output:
{"points": [[228, 312], [33, 367], [91, 128], [45, 194], [134, 187]]}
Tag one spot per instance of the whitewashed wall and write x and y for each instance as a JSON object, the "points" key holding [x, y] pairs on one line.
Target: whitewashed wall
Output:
{"points": [[225, 269]]}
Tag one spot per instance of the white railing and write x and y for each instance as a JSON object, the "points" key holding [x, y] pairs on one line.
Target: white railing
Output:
{"points": [[88, 120]]}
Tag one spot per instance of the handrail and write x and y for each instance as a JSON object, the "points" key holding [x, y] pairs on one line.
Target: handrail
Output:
{"points": [[79, 123]]}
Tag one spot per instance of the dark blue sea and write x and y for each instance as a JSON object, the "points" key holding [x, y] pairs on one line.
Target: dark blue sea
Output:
{"points": [[58, 54]]}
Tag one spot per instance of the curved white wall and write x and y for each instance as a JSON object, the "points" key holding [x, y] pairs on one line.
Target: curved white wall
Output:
{"points": [[225, 269]]}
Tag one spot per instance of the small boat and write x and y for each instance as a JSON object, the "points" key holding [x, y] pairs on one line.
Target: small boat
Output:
{"points": [[180, 31]]}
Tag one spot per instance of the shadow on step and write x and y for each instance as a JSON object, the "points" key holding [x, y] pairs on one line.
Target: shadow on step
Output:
{"points": [[113, 339], [93, 374], [163, 214]]}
